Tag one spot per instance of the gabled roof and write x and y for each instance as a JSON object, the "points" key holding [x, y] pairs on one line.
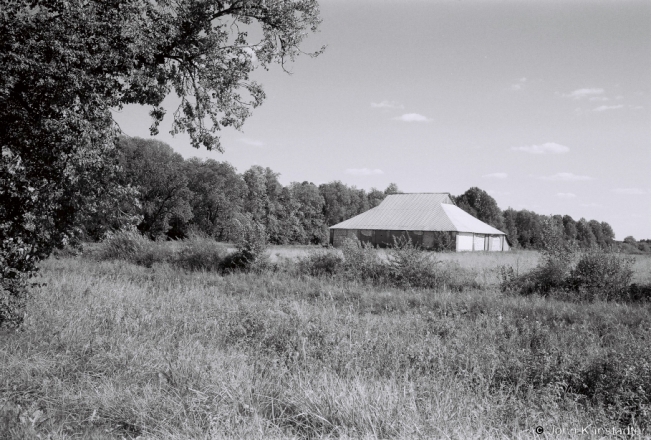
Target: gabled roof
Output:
{"points": [[418, 212]]}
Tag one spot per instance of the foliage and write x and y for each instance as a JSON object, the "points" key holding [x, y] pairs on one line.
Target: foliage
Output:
{"points": [[481, 205], [162, 352], [602, 275], [65, 65], [217, 196], [196, 253], [323, 262], [157, 172], [250, 238], [566, 272], [362, 262], [410, 266]]}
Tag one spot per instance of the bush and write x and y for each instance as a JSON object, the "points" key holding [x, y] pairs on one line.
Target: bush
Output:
{"points": [[362, 262], [567, 274], [601, 275], [326, 262], [195, 253], [250, 239], [409, 266], [200, 253]]}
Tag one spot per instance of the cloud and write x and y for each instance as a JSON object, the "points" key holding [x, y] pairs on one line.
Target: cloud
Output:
{"points": [[387, 105], [602, 108], [566, 177], [598, 98], [629, 191], [413, 117], [582, 93], [363, 171], [496, 175], [566, 195], [592, 205], [251, 142], [518, 85], [546, 148]]}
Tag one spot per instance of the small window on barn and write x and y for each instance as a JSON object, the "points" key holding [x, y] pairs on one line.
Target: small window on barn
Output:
{"points": [[366, 232], [418, 232]]}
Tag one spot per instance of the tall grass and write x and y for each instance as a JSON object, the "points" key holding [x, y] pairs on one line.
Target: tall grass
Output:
{"points": [[114, 349]]}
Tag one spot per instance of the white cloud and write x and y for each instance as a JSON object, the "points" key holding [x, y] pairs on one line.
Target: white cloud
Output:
{"points": [[363, 171], [599, 98], [546, 148], [518, 85], [496, 175], [566, 195], [582, 93], [592, 205], [629, 191], [251, 142], [602, 108], [387, 105], [413, 117], [567, 177]]}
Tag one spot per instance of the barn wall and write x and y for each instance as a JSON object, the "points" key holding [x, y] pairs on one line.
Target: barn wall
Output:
{"points": [[495, 243], [464, 241], [478, 242]]}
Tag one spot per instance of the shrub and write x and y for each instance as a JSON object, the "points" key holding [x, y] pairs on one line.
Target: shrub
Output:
{"points": [[326, 262], [602, 274], [128, 245], [362, 261], [250, 239], [410, 266], [200, 254], [564, 272]]}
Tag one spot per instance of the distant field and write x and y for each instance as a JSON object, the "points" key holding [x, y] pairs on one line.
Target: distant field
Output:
{"points": [[115, 350]]}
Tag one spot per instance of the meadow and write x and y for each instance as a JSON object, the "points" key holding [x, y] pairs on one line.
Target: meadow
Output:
{"points": [[113, 349]]}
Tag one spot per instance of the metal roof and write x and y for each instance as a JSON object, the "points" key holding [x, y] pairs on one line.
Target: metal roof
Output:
{"points": [[418, 212]]}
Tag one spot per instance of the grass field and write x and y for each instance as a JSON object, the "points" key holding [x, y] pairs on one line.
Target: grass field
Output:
{"points": [[112, 350]]}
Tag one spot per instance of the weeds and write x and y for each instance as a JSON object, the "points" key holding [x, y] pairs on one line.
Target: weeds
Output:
{"points": [[567, 273], [111, 347]]}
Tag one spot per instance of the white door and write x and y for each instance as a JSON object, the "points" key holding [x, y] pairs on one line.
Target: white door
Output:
{"points": [[464, 241]]}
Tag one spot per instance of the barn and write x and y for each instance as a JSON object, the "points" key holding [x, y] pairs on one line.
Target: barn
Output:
{"points": [[430, 220]]}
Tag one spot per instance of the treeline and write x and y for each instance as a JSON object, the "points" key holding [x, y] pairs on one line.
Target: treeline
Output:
{"points": [[174, 197]]}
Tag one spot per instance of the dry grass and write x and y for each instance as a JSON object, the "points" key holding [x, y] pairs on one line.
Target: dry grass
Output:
{"points": [[112, 350]]}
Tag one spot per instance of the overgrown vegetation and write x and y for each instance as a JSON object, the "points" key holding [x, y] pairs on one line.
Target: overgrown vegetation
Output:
{"points": [[565, 271], [112, 349]]}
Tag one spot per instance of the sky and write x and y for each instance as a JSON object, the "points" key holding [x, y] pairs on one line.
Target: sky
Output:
{"points": [[545, 105]]}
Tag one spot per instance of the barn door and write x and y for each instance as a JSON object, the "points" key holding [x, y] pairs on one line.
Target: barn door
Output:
{"points": [[382, 238]]}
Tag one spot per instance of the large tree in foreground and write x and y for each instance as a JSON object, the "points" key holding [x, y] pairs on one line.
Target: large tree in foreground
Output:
{"points": [[65, 64]]}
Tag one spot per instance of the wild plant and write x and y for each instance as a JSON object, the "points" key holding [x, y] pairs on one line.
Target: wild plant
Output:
{"points": [[250, 238]]}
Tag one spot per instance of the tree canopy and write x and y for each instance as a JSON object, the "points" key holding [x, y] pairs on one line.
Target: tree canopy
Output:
{"points": [[67, 63]]}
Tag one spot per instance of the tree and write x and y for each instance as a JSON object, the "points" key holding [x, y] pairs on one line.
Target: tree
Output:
{"points": [[66, 64], [218, 196], [609, 234], [375, 197], [510, 228], [159, 175], [529, 227], [630, 240], [569, 228], [478, 203], [310, 211], [598, 233], [584, 234], [392, 189]]}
